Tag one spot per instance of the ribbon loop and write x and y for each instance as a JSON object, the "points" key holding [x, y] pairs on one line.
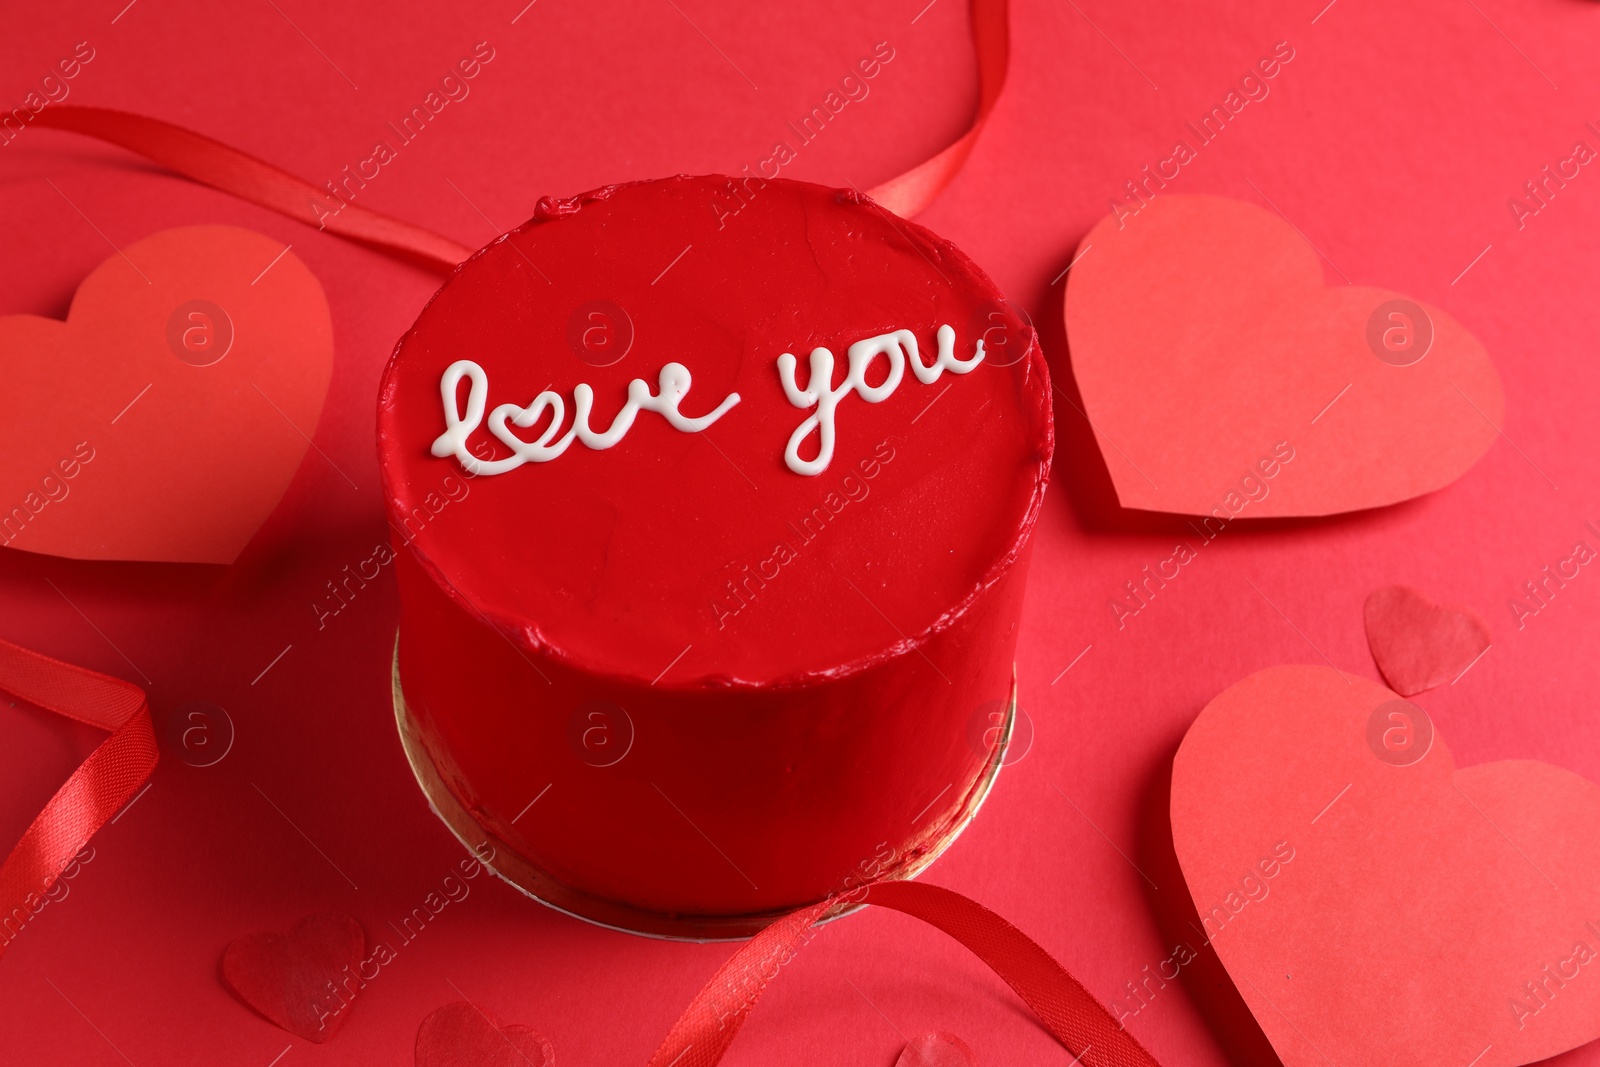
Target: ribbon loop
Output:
{"points": [[1068, 1010], [100, 786], [210, 162], [907, 194]]}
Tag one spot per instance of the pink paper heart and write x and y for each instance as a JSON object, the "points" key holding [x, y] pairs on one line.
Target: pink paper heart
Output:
{"points": [[461, 1034], [165, 418], [1419, 644], [1225, 377], [936, 1050], [296, 980]]}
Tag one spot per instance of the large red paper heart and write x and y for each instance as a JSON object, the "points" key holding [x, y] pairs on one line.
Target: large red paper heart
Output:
{"points": [[165, 418], [1418, 644], [464, 1035], [1375, 905], [1223, 377], [305, 980]]}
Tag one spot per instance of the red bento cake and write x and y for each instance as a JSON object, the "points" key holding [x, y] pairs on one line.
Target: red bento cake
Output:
{"points": [[694, 629]]}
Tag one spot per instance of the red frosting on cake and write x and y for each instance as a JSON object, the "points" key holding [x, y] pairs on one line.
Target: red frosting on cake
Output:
{"points": [[795, 661]]}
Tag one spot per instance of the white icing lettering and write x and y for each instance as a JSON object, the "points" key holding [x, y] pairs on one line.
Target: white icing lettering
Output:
{"points": [[897, 347], [672, 386]]}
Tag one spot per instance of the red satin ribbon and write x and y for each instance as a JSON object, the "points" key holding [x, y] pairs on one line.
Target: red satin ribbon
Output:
{"points": [[213, 163], [96, 791], [907, 194], [1066, 1008]]}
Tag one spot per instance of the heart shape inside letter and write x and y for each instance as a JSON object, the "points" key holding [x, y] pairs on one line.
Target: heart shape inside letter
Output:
{"points": [[165, 418], [1207, 348], [1374, 904]]}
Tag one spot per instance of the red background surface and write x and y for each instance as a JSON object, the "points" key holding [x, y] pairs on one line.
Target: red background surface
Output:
{"points": [[1392, 141]]}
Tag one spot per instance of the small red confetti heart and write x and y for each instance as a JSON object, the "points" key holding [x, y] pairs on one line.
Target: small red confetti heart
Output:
{"points": [[303, 981], [936, 1050], [1417, 643], [461, 1034]]}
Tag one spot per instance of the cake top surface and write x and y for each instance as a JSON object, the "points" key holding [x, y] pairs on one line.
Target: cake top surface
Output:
{"points": [[704, 432]]}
